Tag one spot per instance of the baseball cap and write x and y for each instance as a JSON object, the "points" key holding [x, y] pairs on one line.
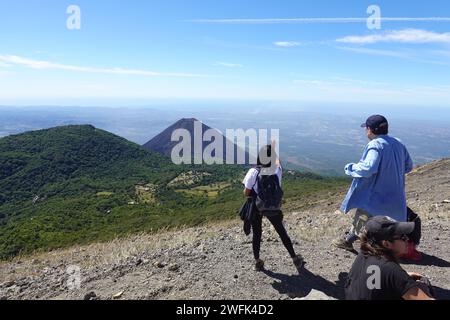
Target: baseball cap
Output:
{"points": [[385, 228], [376, 123]]}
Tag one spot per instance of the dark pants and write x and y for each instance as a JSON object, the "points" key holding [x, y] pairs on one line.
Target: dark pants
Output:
{"points": [[277, 222]]}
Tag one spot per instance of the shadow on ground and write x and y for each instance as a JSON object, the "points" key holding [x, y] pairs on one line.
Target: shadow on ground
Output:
{"points": [[428, 260], [300, 285]]}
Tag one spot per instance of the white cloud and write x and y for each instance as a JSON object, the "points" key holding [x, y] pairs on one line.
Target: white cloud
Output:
{"points": [[286, 44], [43, 65], [342, 81], [360, 82], [311, 82], [415, 36], [228, 65], [414, 56], [317, 20], [377, 52]]}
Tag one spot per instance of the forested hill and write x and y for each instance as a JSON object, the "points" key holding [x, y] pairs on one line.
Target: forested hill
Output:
{"points": [[78, 184]]}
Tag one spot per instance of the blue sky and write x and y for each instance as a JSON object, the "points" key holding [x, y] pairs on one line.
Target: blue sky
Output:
{"points": [[135, 52]]}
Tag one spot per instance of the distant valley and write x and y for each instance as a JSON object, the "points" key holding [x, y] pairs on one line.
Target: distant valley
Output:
{"points": [[321, 142]]}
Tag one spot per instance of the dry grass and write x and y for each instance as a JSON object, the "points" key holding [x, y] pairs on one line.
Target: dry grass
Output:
{"points": [[117, 251]]}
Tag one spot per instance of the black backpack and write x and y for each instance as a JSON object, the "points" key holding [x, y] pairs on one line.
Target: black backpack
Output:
{"points": [[270, 194]]}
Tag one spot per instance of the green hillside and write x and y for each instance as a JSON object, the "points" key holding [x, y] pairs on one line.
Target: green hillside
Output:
{"points": [[78, 184]]}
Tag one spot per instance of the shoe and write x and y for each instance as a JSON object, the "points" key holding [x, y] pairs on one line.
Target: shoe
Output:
{"points": [[298, 261], [343, 244], [259, 265]]}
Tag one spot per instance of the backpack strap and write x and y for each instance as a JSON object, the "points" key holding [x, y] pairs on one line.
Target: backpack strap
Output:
{"points": [[256, 180]]}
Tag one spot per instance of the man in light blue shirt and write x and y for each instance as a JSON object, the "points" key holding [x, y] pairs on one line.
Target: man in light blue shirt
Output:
{"points": [[378, 187]]}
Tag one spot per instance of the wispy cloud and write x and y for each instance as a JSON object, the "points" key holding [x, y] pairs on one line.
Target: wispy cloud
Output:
{"points": [[377, 52], [286, 44], [228, 65], [4, 65], [442, 53], [342, 84], [43, 65], [415, 36], [414, 56], [237, 45], [317, 20], [359, 82], [311, 82]]}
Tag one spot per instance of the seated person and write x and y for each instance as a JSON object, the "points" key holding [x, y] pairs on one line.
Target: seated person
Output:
{"points": [[376, 273]]}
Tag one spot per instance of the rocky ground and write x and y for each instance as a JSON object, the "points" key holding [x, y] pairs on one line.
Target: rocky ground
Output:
{"points": [[215, 261]]}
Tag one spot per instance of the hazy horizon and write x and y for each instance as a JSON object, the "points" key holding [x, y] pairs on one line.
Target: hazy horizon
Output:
{"points": [[316, 141]]}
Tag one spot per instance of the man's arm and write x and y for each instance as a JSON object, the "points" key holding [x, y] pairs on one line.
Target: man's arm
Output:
{"points": [[409, 163], [366, 167]]}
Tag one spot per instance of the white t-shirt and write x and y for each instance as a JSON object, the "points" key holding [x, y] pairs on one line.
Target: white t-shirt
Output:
{"points": [[250, 178]]}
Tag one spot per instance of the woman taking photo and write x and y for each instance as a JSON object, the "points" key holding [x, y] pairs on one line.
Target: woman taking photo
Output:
{"points": [[263, 185]]}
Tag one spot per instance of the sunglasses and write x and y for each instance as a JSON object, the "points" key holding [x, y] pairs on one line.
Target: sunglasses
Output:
{"points": [[403, 238]]}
